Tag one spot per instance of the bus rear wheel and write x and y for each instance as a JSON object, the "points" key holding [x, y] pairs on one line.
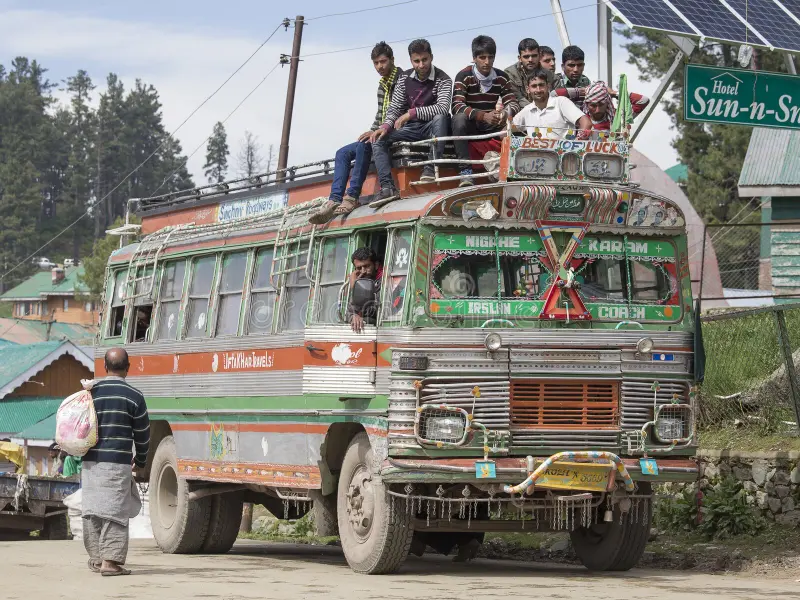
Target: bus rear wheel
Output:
{"points": [[375, 533], [617, 545], [180, 525]]}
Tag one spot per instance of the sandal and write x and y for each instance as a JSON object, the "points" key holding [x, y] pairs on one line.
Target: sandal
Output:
{"points": [[324, 214], [94, 565], [115, 572], [347, 206]]}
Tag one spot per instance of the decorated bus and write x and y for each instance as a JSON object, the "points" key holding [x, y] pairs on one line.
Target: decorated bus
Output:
{"points": [[530, 366]]}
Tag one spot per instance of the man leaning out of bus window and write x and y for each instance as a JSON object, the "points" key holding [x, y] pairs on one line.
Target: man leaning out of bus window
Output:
{"points": [[556, 113], [365, 266], [341, 201], [420, 110]]}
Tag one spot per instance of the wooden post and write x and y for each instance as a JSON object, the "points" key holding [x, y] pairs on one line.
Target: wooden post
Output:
{"points": [[786, 348], [294, 63], [246, 525]]}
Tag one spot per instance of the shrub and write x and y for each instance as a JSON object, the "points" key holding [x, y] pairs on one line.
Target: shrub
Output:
{"points": [[725, 512]]}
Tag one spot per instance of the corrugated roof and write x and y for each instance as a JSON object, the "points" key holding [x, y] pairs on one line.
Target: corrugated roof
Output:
{"points": [[43, 430], [23, 331], [18, 414], [15, 360], [678, 173], [42, 284], [773, 158]]}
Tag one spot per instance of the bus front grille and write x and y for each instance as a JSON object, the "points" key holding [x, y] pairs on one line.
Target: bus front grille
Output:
{"points": [[564, 404]]}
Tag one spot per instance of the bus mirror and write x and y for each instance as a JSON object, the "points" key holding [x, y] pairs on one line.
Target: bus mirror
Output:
{"points": [[363, 292]]}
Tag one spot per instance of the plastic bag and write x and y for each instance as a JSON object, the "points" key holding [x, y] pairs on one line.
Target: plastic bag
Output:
{"points": [[76, 421]]}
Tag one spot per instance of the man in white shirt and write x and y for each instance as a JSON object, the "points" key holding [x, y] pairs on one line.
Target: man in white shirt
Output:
{"points": [[558, 114]]}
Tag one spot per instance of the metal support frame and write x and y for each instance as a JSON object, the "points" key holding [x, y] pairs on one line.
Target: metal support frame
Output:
{"points": [[605, 43], [685, 48], [790, 67], [785, 344], [561, 24]]}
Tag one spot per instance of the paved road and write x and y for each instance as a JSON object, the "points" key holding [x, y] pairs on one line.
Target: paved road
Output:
{"points": [[31, 570]]}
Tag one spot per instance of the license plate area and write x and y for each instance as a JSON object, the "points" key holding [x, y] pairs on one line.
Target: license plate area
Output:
{"points": [[590, 477]]}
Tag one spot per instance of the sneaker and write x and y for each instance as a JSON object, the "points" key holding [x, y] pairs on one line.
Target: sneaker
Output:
{"points": [[428, 174], [324, 213], [387, 194], [466, 178]]}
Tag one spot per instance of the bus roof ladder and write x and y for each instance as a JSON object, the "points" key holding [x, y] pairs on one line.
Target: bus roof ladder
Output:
{"points": [[146, 255], [293, 231]]}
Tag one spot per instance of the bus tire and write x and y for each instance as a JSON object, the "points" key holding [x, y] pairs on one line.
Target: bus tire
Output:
{"points": [[56, 528], [179, 525], [375, 533], [614, 546], [323, 513], [224, 523]]}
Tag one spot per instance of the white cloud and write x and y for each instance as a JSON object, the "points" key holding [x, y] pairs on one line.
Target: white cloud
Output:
{"points": [[335, 98]]}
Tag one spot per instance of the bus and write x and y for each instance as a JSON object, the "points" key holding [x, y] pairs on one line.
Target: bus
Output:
{"points": [[531, 366]]}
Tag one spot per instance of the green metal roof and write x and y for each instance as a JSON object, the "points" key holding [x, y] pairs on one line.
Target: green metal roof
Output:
{"points": [[678, 173], [17, 359], [24, 331], [41, 284], [43, 430], [772, 160], [19, 414]]}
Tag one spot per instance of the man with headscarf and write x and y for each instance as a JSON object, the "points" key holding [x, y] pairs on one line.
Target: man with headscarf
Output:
{"points": [[598, 104]]}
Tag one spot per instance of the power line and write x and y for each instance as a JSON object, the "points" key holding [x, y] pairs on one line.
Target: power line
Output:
{"points": [[140, 165], [452, 31], [362, 10], [225, 120]]}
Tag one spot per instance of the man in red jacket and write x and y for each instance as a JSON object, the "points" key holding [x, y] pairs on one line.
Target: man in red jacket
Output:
{"points": [[599, 106]]}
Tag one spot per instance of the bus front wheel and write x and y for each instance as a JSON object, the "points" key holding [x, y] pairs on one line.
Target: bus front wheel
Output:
{"points": [[375, 533]]}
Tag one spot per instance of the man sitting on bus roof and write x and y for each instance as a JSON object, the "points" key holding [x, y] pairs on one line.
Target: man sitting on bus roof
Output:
{"points": [[419, 110], [553, 115], [572, 78], [483, 98], [365, 266], [547, 59], [599, 106], [360, 150], [519, 73]]}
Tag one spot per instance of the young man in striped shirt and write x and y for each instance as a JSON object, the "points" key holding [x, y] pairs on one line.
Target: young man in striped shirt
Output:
{"points": [[107, 501], [341, 201], [420, 110], [483, 99]]}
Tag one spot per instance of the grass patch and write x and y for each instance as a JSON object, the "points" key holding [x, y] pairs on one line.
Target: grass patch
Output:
{"points": [[746, 440]]}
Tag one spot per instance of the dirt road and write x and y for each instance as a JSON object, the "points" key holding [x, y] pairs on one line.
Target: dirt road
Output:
{"points": [[32, 570]]}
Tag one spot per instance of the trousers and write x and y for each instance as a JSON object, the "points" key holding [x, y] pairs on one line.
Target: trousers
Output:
{"points": [[105, 540], [361, 153], [412, 131]]}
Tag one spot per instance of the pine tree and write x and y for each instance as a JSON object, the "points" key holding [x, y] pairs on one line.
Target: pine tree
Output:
{"points": [[249, 159], [216, 166]]}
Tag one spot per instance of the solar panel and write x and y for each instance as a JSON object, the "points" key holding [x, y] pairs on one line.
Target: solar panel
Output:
{"points": [[651, 14], [771, 22], [793, 6], [715, 21]]}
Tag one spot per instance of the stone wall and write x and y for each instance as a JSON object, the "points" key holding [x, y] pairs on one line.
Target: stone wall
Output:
{"points": [[771, 479]]}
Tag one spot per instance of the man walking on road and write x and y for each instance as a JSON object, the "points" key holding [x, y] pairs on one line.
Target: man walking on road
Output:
{"points": [[109, 497]]}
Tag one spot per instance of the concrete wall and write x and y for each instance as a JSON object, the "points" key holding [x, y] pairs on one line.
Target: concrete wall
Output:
{"points": [[771, 479]]}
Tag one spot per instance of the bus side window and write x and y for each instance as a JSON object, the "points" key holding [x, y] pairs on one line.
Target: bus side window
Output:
{"points": [[117, 313], [297, 287], [170, 300], [199, 294], [230, 293], [332, 274], [397, 268], [262, 295], [142, 305]]}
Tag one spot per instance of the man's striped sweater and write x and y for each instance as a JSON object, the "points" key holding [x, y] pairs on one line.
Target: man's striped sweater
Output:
{"points": [[470, 99], [122, 423], [423, 99]]}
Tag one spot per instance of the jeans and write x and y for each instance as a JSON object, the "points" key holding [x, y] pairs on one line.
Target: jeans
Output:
{"points": [[362, 153], [465, 126], [412, 131]]}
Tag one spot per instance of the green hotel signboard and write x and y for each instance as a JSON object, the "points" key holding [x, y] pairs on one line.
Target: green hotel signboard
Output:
{"points": [[741, 97]]}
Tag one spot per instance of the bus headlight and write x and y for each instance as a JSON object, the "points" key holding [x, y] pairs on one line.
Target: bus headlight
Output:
{"points": [[493, 342], [644, 346], [674, 423], [441, 424]]}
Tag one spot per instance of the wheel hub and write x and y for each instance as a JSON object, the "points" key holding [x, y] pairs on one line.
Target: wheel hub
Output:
{"points": [[360, 502]]}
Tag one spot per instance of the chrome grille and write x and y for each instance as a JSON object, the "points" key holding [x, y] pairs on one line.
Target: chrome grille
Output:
{"points": [[490, 408], [637, 399], [564, 438]]}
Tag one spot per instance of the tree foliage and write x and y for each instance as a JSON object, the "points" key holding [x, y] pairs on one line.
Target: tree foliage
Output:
{"points": [[58, 160], [216, 166], [94, 265], [250, 160]]}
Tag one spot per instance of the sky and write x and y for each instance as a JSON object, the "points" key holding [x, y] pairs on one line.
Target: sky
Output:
{"points": [[186, 49]]}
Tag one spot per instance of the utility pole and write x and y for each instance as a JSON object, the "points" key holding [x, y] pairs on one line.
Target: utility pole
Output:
{"points": [[294, 62]]}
